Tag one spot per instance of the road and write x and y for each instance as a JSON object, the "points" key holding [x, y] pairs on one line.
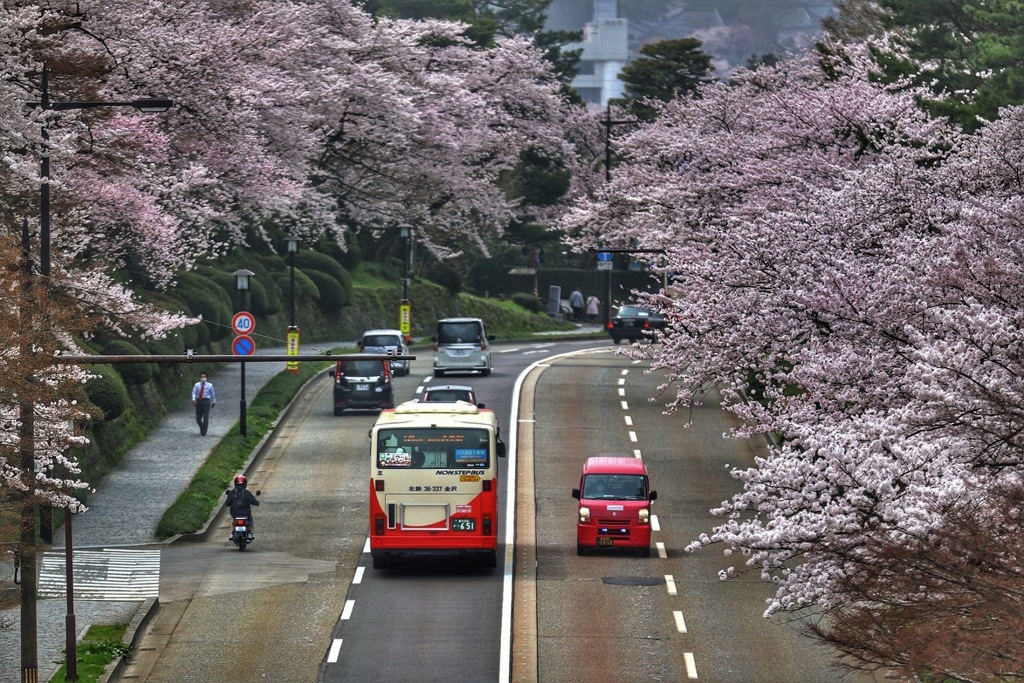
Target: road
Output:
{"points": [[304, 605]]}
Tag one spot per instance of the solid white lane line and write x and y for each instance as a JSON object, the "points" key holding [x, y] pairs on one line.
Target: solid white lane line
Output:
{"points": [[366, 546], [508, 350], [670, 584], [661, 550], [632, 437], [655, 525], [680, 622], [346, 613], [358, 578], [691, 666], [332, 656], [629, 421], [625, 406]]}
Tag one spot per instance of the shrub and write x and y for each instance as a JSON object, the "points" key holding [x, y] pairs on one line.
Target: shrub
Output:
{"points": [[528, 301], [133, 374], [446, 276], [107, 391], [332, 294]]}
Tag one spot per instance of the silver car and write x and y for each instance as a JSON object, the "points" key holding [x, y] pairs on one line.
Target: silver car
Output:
{"points": [[461, 344], [387, 342]]}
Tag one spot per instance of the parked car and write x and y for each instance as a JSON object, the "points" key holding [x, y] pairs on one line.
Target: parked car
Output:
{"points": [[448, 393], [362, 384], [633, 323], [461, 344], [390, 342]]}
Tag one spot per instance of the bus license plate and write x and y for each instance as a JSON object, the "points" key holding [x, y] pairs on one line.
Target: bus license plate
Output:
{"points": [[604, 541], [463, 524]]}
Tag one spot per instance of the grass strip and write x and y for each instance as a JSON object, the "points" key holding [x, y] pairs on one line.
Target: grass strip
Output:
{"points": [[100, 646], [190, 511]]}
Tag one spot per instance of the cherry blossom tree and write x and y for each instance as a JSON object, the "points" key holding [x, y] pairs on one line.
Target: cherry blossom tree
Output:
{"points": [[308, 113], [847, 277]]}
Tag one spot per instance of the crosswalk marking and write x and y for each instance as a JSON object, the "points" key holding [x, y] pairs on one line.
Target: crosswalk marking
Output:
{"points": [[108, 574]]}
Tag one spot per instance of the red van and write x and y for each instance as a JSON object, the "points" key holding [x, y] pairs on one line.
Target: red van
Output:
{"points": [[615, 504]]}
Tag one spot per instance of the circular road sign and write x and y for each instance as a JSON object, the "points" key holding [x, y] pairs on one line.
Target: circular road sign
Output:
{"points": [[243, 323], [243, 345]]}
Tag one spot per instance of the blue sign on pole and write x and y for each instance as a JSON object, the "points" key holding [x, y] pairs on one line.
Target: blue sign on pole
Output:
{"points": [[604, 256]]}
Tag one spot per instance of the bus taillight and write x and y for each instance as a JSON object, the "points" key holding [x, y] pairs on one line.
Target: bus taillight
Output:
{"points": [[378, 525], [487, 525], [487, 484], [378, 484]]}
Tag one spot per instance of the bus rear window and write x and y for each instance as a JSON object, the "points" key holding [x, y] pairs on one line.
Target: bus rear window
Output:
{"points": [[433, 448]]}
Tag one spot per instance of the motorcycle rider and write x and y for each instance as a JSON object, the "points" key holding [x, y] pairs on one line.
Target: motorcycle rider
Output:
{"points": [[240, 500]]}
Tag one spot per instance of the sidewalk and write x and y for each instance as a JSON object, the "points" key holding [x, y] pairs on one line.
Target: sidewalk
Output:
{"points": [[128, 505]]}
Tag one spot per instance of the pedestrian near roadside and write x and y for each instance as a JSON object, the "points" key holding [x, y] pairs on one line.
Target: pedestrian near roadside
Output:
{"points": [[204, 397], [576, 304], [593, 307]]}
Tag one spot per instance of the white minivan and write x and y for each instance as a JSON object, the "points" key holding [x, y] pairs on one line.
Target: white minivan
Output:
{"points": [[461, 344]]}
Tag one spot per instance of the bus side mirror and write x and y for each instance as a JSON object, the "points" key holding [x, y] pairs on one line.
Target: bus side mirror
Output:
{"points": [[501, 449]]}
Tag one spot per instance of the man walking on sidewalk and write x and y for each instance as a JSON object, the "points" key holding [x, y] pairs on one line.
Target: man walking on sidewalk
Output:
{"points": [[203, 398]]}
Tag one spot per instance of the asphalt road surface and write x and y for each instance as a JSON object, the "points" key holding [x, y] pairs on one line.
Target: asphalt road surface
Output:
{"points": [[304, 604]]}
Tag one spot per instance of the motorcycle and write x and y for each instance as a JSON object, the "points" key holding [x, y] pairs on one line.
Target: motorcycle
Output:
{"points": [[240, 529]]}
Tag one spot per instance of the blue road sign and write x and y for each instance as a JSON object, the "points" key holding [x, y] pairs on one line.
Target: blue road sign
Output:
{"points": [[604, 256], [243, 345]]}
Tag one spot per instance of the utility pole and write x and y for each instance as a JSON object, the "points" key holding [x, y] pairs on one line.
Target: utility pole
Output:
{"points": [[608, 123]]}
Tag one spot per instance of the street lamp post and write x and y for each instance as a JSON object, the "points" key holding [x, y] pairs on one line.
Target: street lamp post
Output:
{"points": [[242, 276], [405, 306], [292, 335], [27, 553], [293, 247]]}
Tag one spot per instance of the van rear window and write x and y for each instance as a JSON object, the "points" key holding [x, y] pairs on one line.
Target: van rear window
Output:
{"points": [[380, 340], [458, 333]]}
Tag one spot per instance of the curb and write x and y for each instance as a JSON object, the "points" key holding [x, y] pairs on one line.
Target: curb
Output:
{"points": [[132, 635]]}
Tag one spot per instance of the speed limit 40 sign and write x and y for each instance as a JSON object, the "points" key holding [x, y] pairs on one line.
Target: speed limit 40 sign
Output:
{"points": [[243, 323]]}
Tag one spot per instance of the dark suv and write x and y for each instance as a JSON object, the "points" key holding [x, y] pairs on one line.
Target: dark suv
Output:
{"points": [[362, 384]]}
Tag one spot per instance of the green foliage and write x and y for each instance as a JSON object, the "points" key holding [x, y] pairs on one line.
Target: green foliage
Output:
{"points": [[445, 275], [970, 55], [665, 71], [528, 301], [101, 645], [207, 298], [332, 294], [107, 391], [133, 374]]}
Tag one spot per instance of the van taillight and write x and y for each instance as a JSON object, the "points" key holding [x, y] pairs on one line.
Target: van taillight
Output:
{"points": [[483, 344], [435, 346], [387, 372]]}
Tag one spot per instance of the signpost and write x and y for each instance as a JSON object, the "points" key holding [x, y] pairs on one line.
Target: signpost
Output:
{"points": [[405, 319], [292, 366], [243, 345], [604, 260]]}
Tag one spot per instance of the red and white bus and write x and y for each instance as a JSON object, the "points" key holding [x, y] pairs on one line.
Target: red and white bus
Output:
{"points": [[434, 482]]}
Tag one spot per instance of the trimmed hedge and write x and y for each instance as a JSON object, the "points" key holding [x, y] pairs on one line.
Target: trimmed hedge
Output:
{"points": [[133, 374], [107, 391]]}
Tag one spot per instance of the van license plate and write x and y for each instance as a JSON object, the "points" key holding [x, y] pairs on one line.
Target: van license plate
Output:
{"points": [[604, 541], [362, 387]]}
